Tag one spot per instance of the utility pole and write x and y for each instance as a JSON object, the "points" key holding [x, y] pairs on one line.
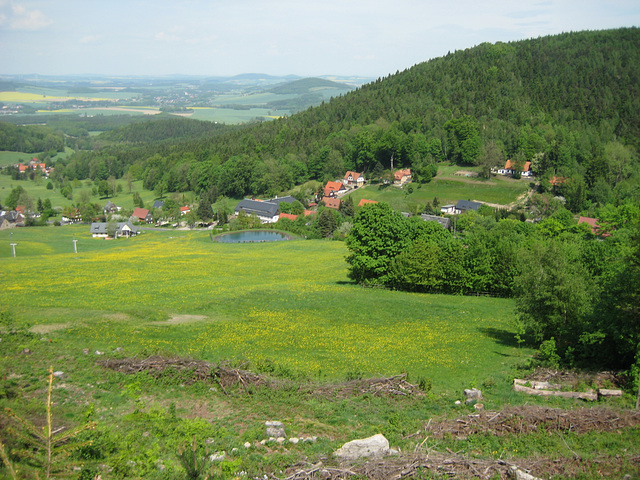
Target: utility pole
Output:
{"points": [[13, 248]]}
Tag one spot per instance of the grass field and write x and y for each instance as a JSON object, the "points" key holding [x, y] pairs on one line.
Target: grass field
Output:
{"points": [[449, 188], [274, 300]]}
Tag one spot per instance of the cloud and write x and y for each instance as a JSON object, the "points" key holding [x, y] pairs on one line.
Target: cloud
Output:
{"points": [[19, 17]]}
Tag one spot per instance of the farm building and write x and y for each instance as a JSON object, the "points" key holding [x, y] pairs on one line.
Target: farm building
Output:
{"points": [[123, 229]]}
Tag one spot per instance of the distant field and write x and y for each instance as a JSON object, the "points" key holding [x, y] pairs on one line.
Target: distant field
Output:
{"points": [[11, 158], [289, 302], [26, 97], [232, 117]]}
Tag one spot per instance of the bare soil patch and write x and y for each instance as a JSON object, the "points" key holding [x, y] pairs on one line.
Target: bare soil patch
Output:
{"points": [[179, 319], [48, 328]]}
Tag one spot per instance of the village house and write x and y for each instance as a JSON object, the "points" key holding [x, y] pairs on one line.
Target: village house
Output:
{"points": [[400, 177], [123, 229], [353, 179], [267, 212], [594, 225], [509, 169], [11, 219], [334, 189], [110, 208], [141, 215], [331, 202], [444, 221], [461, 207], [184, 210]]}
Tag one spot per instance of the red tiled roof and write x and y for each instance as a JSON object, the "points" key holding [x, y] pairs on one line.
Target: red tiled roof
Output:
{"points": [[141, 213], [185, 209], [332, 187], [331, 202], [353, 175], [364, 201], [288, 215], [405, 172], [557, 180], [309, 212]]}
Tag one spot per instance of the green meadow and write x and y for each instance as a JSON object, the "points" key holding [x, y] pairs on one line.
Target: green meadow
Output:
{"points": [[289, 302], [449, 188]]}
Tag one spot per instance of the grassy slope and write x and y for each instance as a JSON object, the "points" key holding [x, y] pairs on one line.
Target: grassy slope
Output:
{"points": [[449, 188], [288, 301]]}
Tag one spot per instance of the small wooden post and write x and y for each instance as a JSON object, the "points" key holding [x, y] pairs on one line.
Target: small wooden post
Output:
{"points": [[13, 248], [75, 245]]}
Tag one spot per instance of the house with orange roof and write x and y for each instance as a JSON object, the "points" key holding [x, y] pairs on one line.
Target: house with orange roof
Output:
{"points": [[509, 169], [184, 210], [333, 189], [364, 201], [142, 215], [400, 177], [594, 225], [331, 202], [353, 178], [288, 216]]}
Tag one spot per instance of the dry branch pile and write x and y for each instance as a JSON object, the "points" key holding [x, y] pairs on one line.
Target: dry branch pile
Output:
{"points": [[226, 376], [529, 419], [190, 371], [396, 385]]}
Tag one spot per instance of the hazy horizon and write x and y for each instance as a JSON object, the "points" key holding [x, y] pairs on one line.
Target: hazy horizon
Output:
{"points": [[281, 37]]}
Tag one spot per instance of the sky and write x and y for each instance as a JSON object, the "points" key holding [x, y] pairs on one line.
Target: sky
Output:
{"points": [[368, 38]]}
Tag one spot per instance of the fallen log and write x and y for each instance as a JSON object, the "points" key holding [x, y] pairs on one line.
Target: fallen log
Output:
{"points": [[589, 395]]}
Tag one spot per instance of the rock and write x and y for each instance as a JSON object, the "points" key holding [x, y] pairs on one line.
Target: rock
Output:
{"points": [[217, 457], [518, 474], [119, 350], [85, 351], [294, 440], [479, 406], [98, 352], [280, 440], [606, 392], [58, 374], [457, 402], [262, 442], [473, 395], [26, 351], [247, 445], [275, 429], [375, 446], [234, 450]]}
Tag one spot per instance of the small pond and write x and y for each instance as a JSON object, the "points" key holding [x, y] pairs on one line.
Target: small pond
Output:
{"points": [[252, 236]]}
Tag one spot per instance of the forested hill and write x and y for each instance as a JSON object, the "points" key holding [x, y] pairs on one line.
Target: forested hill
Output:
{"points": [[568, 103]]}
